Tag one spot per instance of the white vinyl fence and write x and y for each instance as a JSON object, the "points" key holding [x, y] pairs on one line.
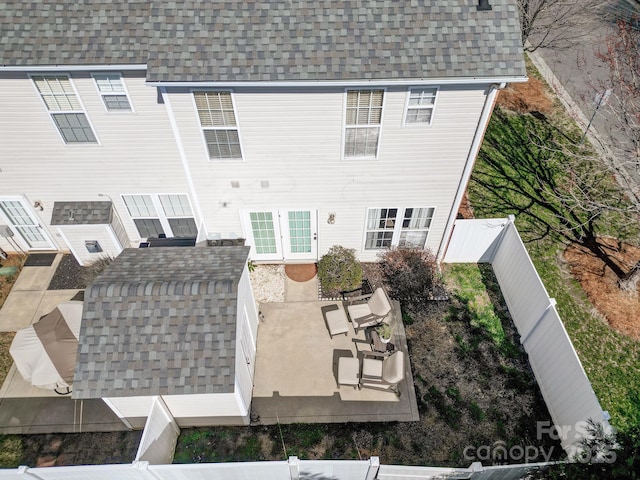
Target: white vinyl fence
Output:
{"points": [[557, 368], [293, 469]]}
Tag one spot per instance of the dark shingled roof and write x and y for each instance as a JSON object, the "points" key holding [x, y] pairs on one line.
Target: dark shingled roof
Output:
{"points": [[161, 321], [270, 40], [81, 213]]}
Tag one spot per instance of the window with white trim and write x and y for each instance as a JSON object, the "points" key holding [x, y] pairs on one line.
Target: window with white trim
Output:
{"points": [[420, 106], [155, 215], [387, 227], [362, 123], [219, 126], [65, 108], [113, 93]]}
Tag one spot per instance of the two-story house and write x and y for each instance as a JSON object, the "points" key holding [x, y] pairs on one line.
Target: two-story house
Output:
{"points": [[293, 125]]}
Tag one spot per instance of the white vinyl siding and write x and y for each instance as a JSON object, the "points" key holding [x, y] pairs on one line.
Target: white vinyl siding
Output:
{"points": [[363, 118], [405, 227], [421, 104], [166, 214], [65, 108], [113, 92], [219, 126]]}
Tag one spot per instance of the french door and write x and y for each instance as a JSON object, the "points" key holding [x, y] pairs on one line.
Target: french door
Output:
{"points": [[25, 224], [282, 234]]}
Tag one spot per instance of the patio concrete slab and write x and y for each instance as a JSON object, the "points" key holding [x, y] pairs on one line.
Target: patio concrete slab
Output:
{"points": [[301, 291], [296, 371]]}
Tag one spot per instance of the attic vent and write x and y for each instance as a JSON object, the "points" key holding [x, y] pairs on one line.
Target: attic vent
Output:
{"points": [[484, 5]]}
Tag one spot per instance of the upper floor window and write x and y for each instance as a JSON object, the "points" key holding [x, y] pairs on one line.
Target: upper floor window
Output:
{"points": [[362, 124], [113, 93], [65, 108], [420, 105], [405, 227], [219, 126]]}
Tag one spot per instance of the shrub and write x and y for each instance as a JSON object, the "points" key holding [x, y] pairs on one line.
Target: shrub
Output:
{"points": [[339, 270], [412, 276]]}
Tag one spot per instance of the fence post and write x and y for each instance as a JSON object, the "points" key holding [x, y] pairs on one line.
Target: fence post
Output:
{"points": [[294, 468], [510, 220], [372, 470]]}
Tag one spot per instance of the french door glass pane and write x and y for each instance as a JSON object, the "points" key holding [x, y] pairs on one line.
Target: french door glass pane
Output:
{"points": [[300, 231], [263, 232]]}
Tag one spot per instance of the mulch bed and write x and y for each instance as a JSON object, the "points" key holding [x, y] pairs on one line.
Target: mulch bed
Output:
{"points": [[620, 308], [301, 273], [69, 275]]}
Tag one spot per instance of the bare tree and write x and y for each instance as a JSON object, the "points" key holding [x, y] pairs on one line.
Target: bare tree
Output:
{"points": [[620, 56], [555, 24], [554, 185]]}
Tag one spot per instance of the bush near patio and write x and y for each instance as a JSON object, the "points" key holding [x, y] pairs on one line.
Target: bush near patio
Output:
{"points": [[339, 270]]}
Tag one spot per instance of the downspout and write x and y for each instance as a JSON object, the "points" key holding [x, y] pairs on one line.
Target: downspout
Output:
{"points": [[183, 158], [487, 109]]}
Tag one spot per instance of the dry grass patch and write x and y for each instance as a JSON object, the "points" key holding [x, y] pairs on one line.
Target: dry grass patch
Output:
{"points": [[620, 309], [525, 97]]}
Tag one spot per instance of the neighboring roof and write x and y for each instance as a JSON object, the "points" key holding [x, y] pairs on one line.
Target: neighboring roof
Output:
{"points": [[161, 321], [270, 40], [74, 32], [81, 213]]}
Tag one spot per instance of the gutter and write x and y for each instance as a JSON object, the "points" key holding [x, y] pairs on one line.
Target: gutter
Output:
{"points": [[468, 168], [74, 68], [343, 83]]}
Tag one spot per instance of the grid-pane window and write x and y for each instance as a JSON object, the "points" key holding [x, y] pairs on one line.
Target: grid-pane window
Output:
{"points": [[362, 125], [74, 127], [112, 91], [300, 231], [64, 107], [264, 234], [387, 227], [420, 107], [380, 226], [218, 121], [415, 227], [140, 205], [176, 205], [148, 227], [161, 214]]}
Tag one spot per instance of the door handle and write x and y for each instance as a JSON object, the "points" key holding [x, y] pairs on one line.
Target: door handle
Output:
{"points": [[315, 236]]}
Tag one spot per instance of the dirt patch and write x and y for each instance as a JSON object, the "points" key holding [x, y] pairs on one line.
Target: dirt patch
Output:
{"points": [[619, 308], [5, 357], [7, 281], [301, 273]]}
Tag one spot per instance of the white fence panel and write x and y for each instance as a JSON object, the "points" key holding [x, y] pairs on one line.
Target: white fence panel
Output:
{"points": [[222, 471], [566, 390], [521, 286], [399, 472], [344, 469], [160, 435], [474, 240]]}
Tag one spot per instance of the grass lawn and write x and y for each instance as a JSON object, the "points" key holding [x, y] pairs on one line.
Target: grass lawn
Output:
{"points": [[473, 384], [611, 360]]}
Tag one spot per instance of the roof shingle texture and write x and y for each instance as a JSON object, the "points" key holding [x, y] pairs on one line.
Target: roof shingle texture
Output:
{"points": [[272, 40], [161, 321], [81, 213]]}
